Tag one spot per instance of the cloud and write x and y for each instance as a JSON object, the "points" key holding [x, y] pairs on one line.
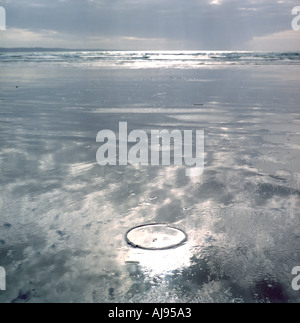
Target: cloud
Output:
{"points": [[288, 40], [52, 38], [215, 2], [155, 24], [28, 38], [24, 37]]}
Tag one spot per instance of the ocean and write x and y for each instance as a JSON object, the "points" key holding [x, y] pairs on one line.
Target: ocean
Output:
{"points": [[149, 59], [66, 223]]}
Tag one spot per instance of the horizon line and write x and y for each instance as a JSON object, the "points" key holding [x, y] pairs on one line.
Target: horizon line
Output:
{"points": [[38, 48]]}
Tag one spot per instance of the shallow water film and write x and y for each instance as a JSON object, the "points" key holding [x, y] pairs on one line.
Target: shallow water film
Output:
{"points": [[64, 217]]}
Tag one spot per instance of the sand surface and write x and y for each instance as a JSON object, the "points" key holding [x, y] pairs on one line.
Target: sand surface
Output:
{"points": [[63, 217]]}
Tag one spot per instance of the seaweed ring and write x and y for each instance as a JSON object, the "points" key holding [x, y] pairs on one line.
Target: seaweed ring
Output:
{"points": [[175, 245]]}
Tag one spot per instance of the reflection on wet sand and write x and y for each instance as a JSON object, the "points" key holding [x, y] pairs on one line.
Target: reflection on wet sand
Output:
{"points": [[63, 217]]}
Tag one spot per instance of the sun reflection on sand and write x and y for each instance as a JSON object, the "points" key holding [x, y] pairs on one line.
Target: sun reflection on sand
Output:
{"points": [[161, 262]]}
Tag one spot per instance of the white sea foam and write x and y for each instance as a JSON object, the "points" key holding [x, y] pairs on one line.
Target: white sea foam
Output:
{"points": [[150, 59]]}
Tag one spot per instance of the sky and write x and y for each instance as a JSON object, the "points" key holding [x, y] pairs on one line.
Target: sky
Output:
{"points": [[151, 24]]}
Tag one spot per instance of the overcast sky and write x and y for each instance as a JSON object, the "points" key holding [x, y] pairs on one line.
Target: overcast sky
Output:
{"points": [[151, 24]]}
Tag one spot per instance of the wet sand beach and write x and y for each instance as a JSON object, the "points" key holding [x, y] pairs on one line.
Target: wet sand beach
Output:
{"points": [[64, 217]]}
